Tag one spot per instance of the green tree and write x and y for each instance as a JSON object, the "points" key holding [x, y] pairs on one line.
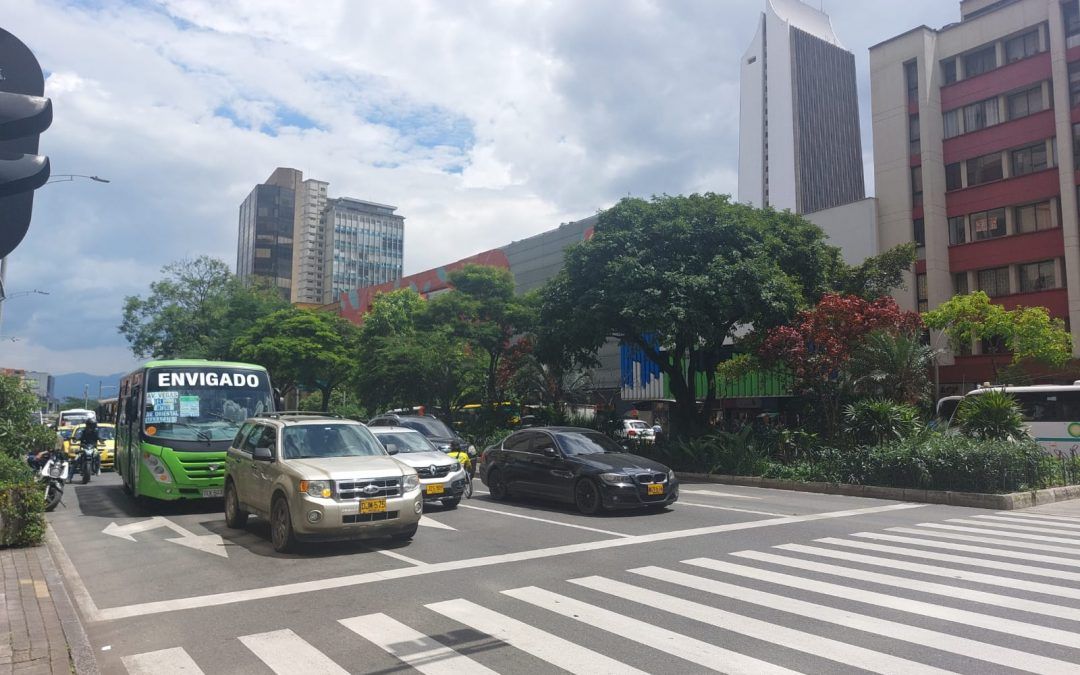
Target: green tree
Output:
{"points": [[892, 366], [20, 431], [675, 276], [197, 309], [876, 276], [992, 415], [1026, 332], [302, 348]]}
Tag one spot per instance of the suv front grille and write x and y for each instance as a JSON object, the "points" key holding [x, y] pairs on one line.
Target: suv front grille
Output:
{"points": [[357, 489], [440, 471], [369, 517]]}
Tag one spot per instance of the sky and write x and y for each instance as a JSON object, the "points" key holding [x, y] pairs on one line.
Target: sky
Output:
{"points": [[484, 121]]}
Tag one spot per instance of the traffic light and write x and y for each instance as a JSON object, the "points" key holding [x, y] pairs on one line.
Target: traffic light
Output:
{"points": [[24, 114]]}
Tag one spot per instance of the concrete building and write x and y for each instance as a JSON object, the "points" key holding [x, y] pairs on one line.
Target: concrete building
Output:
{"points": [[42, 385], [975, 131], [310, 247], [799, 142]]}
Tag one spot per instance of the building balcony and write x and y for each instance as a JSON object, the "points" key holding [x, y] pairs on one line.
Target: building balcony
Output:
{"points": [[1011, 134], [1034, 187], [996, 82], [1008, 250]]}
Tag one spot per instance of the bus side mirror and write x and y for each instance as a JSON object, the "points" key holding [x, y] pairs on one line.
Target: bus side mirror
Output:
{"points": [[279, 403]]}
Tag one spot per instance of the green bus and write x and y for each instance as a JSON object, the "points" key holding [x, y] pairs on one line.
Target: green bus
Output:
{"points": [[176, 420]]}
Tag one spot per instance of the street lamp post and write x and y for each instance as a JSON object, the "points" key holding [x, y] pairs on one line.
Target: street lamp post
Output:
{"points": [[68, 177]]}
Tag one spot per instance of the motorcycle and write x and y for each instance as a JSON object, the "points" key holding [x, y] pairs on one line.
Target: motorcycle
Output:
{"points": [[51, 476], [465, 458], [87, 461]]}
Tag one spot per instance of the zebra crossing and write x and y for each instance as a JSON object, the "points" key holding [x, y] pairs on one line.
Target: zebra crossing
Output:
{"points": [[981, 593]]}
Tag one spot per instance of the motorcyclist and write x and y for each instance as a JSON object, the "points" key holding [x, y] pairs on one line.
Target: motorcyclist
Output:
{"points": [[89, 437]]}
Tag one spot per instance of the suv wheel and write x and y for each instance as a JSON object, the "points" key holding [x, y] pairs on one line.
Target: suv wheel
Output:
{"points": [[406, 535], [281, 529], [235, 517], [497, 486], [587, 497]]}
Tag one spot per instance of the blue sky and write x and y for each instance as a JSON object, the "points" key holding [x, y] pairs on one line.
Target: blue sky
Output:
{"points": [[483, 121]]}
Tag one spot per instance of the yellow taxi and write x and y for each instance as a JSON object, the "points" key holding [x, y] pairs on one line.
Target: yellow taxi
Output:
{"points": [[106, 443]]}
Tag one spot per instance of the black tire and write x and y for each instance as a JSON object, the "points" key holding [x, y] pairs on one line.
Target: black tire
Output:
{"points": [[467, 493], [52, 497], [587, 497], [124, 479], [235, 517], [497, 486], [86, 470], [451, 503], [406, 535], [281, 530]]}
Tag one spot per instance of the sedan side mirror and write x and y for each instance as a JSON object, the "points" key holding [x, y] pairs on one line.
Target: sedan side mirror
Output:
{"points": [[549, 451], [263, 454]]}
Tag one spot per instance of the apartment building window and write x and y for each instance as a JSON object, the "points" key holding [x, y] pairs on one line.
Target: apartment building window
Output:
{"points": [[1070, 12], [920, 292], [988, 224], [960, 283], [984, 169], [919, 231], [916, 186], [1033, 217], [994, 282], [957, 230], [980, 61], [1022, 46], [1024, 103], [953, 177], [1037, 276], [951, 123], [1074, 84], [1029, 160], [911, 81], [913, 135], [981, 115], [948, 71]]}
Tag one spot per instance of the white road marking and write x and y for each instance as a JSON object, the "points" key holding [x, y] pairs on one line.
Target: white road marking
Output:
{"points": [[173, 661], [968, 560], [952, 545], [71, 577], [414, 648], [427, 521], [541, 644], [286, 653], [727, 508], [1019, 528], [682, 646], [1064, 528], [712, 493], [1044, 516], [230, 597], [207, 543], [951, 536], [833, 650], [992, 599], [546, 520], [945, 642], [1002, 533], [397, 556]]}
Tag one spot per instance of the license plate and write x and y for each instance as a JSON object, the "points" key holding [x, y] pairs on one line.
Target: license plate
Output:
{"points": [[436, 489], [213, 492], [656, 489], [373, 506]]}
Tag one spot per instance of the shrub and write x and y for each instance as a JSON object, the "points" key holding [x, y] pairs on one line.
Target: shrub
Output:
{"points": [[991, 415], [22, 504], [874, 421]]}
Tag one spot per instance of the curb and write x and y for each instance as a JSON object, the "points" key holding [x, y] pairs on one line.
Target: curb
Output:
{"points": [[978, 500], [82, 654]]}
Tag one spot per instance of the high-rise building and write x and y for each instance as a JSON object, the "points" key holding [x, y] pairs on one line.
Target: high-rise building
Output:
{"points": [[975, 151], [292, 236], [799, 141]]}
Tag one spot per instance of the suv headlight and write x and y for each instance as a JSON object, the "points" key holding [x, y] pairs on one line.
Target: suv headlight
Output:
{"points": [[455, 467], [316, 488], [410, 482], [157, 468], [615, 478]]}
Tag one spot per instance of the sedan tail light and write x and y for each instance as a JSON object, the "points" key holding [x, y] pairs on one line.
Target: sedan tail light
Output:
{"points": [[631, 433]]}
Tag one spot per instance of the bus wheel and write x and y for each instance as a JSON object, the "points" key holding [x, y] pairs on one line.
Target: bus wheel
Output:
{"points": [[124, 479]]}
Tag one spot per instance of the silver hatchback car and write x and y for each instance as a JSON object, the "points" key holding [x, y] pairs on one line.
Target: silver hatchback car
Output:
{"points": [[318, 478]]}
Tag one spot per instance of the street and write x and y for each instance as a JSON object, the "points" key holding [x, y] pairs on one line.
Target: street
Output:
{"points": [[732, 579]]}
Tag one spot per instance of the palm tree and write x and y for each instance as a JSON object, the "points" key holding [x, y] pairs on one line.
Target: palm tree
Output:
{"points": [[893, 366]]}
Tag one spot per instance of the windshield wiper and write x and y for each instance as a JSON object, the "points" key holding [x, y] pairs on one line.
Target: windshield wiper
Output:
{"points": [[202, 434], [223, 417]]}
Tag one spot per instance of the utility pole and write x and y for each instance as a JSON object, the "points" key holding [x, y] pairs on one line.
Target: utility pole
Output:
{"points": [[85, 395]]}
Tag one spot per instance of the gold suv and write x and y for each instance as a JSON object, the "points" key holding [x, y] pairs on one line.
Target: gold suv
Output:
{"points": [[318, 478]]}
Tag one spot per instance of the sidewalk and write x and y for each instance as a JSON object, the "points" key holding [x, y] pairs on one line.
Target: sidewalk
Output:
{"points": [[36, 616], [1069, 507]]}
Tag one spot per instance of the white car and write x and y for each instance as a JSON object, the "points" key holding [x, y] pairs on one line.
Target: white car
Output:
{"points": [[442, 478], [636, 430]]}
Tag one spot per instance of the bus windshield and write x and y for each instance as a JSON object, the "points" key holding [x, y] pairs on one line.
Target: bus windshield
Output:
{"points": [[203, 403]]}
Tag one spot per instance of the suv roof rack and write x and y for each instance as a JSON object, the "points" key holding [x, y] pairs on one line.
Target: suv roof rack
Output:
{"points": [[296, 413]]}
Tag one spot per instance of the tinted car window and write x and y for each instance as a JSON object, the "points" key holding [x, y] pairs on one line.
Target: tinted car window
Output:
{"points": [[329, 440], [241, 435], [542, 442], [428, 426], [519, 442], [380, 423], [405, 441], [586, 443]]}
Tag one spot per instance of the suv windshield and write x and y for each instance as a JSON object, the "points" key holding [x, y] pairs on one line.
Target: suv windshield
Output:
{"points": [[586, 443], [329, 440], [405, 441], [204, 404], [429, 426]]}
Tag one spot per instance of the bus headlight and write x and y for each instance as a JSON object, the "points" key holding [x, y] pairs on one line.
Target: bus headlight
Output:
{"points": [[157, 468], [410, 482], [316, 488]]}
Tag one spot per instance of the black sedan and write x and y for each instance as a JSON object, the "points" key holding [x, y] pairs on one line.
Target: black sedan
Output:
{"points": [[579, 466]]}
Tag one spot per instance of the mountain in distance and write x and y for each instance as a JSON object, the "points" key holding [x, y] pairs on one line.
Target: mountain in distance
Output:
{"points": [[75, 384]]}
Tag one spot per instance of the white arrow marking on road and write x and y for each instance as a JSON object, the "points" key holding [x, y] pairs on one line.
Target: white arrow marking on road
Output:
{"points": [[208, 543], [428, 522]]}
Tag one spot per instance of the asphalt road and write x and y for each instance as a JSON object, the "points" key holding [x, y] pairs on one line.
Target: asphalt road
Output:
{"points": [[731, 579]]}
